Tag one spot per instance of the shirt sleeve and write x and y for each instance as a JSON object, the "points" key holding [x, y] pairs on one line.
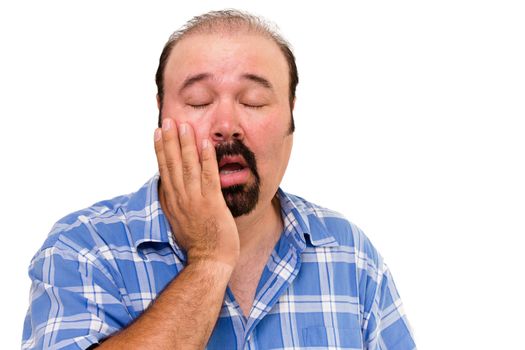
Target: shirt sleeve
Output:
{"points": [[386, 326], [74, 302]]}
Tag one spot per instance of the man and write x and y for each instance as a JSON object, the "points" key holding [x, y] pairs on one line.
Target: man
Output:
{"points": [[212, 253]]}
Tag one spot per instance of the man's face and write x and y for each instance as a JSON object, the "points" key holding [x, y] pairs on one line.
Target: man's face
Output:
{"points": [[233, 89]]}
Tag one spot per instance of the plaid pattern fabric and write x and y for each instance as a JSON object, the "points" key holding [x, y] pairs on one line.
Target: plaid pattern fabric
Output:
{"points": [[324, 286]]}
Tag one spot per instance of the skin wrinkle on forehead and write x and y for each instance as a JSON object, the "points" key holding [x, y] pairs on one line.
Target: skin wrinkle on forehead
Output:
{"points": [[194, 79]]}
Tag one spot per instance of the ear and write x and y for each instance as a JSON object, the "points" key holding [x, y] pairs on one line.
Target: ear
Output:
{"points": [[158, 102], [293, 104]]}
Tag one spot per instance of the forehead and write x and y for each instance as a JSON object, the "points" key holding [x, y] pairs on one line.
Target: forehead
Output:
{"points": [[227, 57]]}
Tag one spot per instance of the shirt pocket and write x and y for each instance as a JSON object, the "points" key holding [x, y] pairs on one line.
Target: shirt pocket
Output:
{"points": [[340, 337]]}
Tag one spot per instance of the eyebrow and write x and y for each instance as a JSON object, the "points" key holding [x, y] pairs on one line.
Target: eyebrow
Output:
{"points": [[259, 80], [191, 80]]}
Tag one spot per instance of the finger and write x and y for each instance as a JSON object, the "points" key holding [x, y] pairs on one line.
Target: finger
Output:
{"points": [[172, 156], [191, 168], [210, 180], [161, 161]]}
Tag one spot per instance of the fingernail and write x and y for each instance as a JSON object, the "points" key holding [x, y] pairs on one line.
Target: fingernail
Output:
{"points": [[183, 128], [205, 143], [158, 134], [166, 124]]}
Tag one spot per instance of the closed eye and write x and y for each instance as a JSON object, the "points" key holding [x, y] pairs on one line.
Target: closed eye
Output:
{"points": [[204, 105], [252, 106]]}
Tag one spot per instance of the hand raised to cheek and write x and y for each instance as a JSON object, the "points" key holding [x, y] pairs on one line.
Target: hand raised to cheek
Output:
{"points": [[193, 202]]}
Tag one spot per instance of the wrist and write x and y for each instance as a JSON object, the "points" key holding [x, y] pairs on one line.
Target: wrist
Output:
{"points": [[212, 272], [216, 267], [210, 259]]}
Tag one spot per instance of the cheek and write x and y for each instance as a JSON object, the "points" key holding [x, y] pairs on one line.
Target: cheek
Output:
{"points": [[200, 127], [275, 124], [269, 138]]}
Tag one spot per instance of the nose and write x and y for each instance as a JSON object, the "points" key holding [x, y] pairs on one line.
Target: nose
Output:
{"points": [[226, 124]]}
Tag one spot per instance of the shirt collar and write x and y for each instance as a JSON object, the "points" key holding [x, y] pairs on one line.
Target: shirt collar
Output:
{"points": [[147, 222], [303, 222]]}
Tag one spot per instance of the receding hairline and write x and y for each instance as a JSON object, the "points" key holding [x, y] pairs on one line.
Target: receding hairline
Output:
{"points": [[224, 28], [224, 33], [228, 21]]}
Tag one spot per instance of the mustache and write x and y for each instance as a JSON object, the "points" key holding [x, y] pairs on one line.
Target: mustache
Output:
{"points": [[237, 148]]}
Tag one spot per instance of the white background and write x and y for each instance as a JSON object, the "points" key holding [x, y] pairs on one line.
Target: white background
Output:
{"points": [[409, 121]]}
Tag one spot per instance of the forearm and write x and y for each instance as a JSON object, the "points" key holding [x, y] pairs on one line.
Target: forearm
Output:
{"points": [[183, 316]]}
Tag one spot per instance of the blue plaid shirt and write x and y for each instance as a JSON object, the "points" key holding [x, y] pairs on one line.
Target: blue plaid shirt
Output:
{"points": [[324, 286]]}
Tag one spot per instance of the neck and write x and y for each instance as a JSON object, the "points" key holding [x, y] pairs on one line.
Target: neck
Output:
{"points": [[261, 228]]}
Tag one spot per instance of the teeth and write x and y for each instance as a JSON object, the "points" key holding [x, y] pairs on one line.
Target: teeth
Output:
{"points": [[226, 172]]}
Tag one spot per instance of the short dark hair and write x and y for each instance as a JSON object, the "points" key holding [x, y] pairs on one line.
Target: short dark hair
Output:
{"points": [[229, 20]]}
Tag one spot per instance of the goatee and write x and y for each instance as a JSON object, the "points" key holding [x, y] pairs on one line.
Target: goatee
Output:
{"points": [[241, 199]]}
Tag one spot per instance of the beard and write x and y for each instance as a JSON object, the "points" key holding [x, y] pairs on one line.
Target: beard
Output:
{"points": [[241, 199]]}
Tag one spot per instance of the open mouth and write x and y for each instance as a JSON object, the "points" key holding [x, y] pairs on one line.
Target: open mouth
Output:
{"points": [[231, 164], [233, 170], [230, 168]]}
